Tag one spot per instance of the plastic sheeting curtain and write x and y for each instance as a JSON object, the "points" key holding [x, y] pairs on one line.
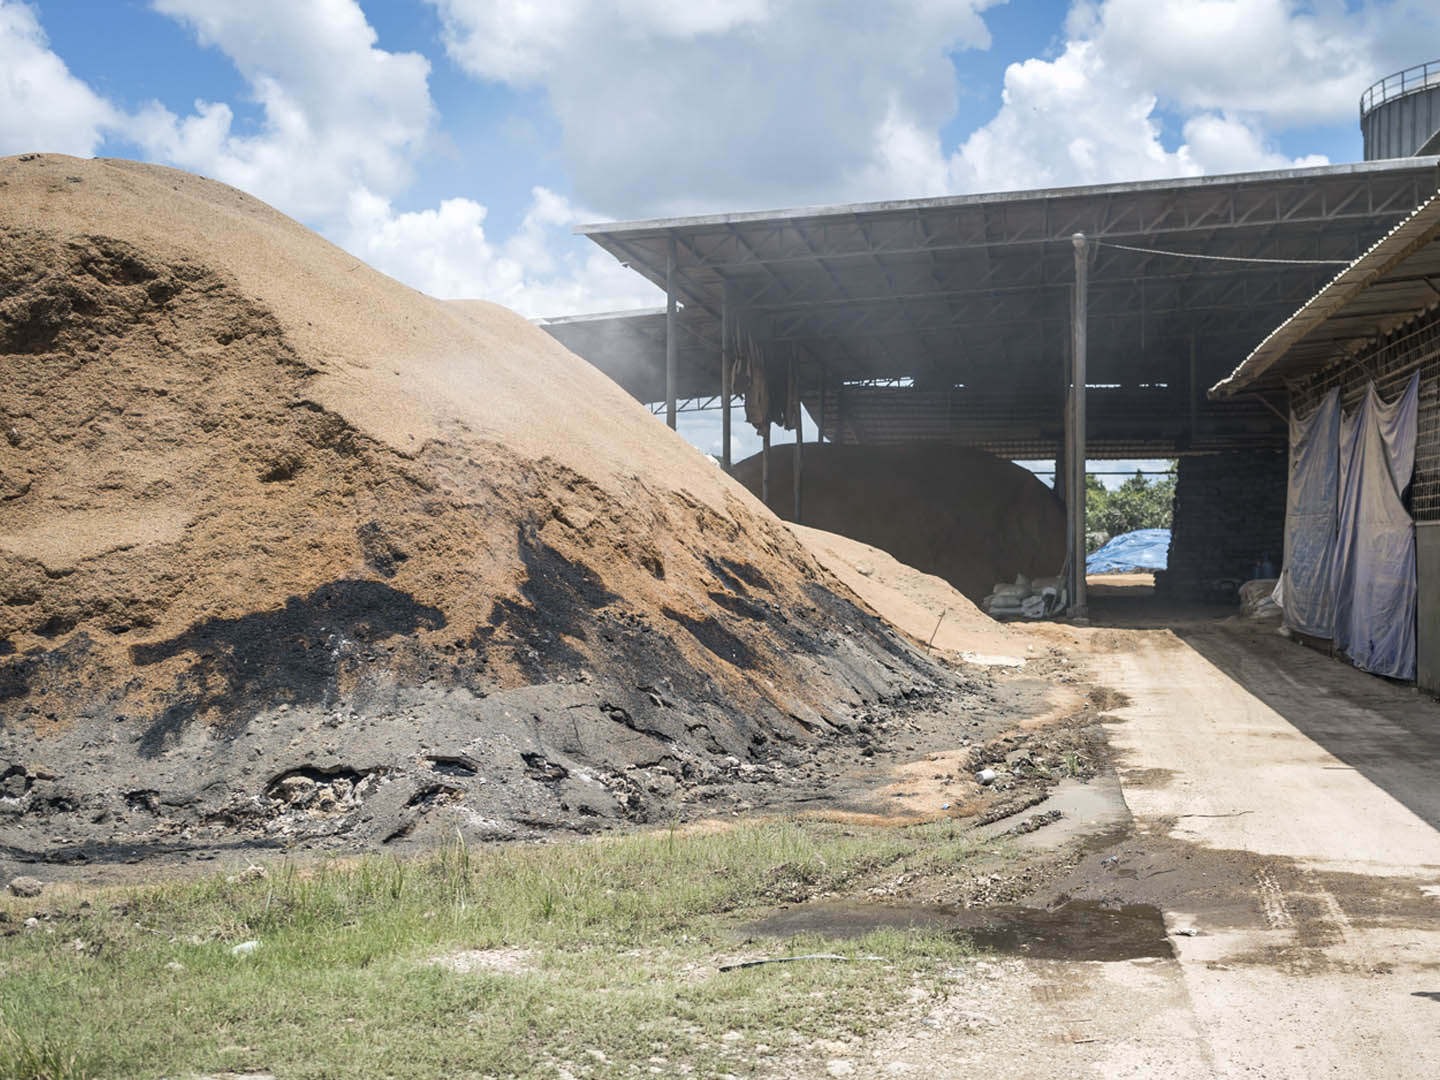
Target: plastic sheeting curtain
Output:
{"points": [[1310, 516], [1349, 570], [1375, 552]]}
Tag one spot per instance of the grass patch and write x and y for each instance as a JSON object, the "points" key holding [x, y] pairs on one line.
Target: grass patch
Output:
{"points": [[619, 938]]}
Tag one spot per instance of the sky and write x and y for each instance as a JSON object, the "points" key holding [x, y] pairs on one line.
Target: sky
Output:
{"points": [[453, 144]]}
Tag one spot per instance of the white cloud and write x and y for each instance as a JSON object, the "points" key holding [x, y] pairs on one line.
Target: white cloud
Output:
{"points": [[339, 113], [520, 41], [1228, 144], [1233, 72], [445, 252], [1071, 120], [343, 123], [1295, 63], [677, 108], [672, 108], [43, 107]]}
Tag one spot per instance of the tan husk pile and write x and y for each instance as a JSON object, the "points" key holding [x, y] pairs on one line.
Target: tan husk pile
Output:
{"points": [[242, 472]]}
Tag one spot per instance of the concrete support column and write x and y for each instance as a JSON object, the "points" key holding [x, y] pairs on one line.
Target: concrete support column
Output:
{"points": [[1062, 475], [1079, 331], [798, 415], [727, 377], [671, 344], [1194, 396], [820, 419]]}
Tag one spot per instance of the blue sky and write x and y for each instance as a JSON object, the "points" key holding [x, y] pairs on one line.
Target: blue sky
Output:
{"points": [[454, 143]]}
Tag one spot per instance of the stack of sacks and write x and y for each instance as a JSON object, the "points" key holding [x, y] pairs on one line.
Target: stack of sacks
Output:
{"points": [[1033, 598], [1258, 599]]}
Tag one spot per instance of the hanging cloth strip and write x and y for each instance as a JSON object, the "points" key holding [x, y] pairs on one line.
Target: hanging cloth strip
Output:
{"points": [[1375, 584], [1308, 577]]}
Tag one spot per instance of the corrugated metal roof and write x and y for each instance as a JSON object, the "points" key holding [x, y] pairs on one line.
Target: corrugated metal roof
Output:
{"points": [[974, 291], [1395, 280]]}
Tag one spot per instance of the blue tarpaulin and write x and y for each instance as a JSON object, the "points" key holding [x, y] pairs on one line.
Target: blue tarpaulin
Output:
{"points": [[1143, 549]]}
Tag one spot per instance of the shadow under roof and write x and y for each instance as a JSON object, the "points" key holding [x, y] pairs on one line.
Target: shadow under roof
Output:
{"points": [[971, 294]]}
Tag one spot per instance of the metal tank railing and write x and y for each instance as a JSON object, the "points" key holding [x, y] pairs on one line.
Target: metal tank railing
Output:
{"points": [[1410, 81]]}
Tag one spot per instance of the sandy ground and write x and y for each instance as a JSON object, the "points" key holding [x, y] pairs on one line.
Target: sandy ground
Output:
{"points": [[1284, 820]]}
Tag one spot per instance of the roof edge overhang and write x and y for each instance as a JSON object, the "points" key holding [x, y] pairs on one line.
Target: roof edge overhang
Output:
{"points": [[1421, 227], [597, 316], [847, 210]]}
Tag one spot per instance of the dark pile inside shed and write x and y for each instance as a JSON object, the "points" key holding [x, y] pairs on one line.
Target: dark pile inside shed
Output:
{"points": [[960, 514], [290, 551]]}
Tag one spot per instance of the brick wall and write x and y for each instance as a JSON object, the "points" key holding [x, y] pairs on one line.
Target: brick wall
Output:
{"points": [[1390, 363], [1229, 512]]}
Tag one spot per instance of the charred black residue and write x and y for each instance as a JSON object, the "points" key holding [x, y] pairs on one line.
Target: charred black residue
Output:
{"points": [[747, 573], [92, 852], [541, 768], [433, 795], [68, 664], [715, 637], [55, 626], [737, 605], [557, 600], [291, 655], [872, 626], [452, 765], [728, 579], [381, 554], [316, 774], [15, 676]]}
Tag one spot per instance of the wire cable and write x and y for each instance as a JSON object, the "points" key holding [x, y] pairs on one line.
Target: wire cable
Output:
{"points": [[1224, 258]]}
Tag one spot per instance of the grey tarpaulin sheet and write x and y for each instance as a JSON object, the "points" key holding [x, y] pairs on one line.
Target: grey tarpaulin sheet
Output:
{"points": [[1308, 577], [1375, 535]]}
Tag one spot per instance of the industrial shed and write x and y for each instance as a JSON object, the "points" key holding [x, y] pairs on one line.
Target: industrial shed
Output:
{"points": [[955, 320], [1360, 366]]}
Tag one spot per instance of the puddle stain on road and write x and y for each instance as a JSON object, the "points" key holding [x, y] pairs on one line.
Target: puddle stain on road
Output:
{"points": [[1078, 930]]}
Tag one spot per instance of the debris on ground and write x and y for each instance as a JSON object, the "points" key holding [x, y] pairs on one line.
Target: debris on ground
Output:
{"points": [[26, 887]]}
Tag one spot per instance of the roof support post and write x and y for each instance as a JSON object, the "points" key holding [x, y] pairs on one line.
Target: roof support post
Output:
{"points": [[799, 417], [1194, 396], [765, 463], [727, 377], [671, 336], [1062, 474], [820, 419], [1078, 326]]}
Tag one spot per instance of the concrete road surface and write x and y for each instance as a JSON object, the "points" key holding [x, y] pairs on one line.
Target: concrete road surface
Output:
{"points": [[1285, 812]]}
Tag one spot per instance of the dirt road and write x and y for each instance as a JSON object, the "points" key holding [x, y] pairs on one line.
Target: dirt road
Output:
{"points": [[1285, 812]]}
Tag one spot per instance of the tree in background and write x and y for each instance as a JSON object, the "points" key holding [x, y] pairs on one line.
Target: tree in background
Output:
{"points": [[1138, 503]]}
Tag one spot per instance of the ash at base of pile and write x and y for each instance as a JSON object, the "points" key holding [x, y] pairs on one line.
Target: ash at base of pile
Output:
{"points": [[419, 764], [292, 554]]}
